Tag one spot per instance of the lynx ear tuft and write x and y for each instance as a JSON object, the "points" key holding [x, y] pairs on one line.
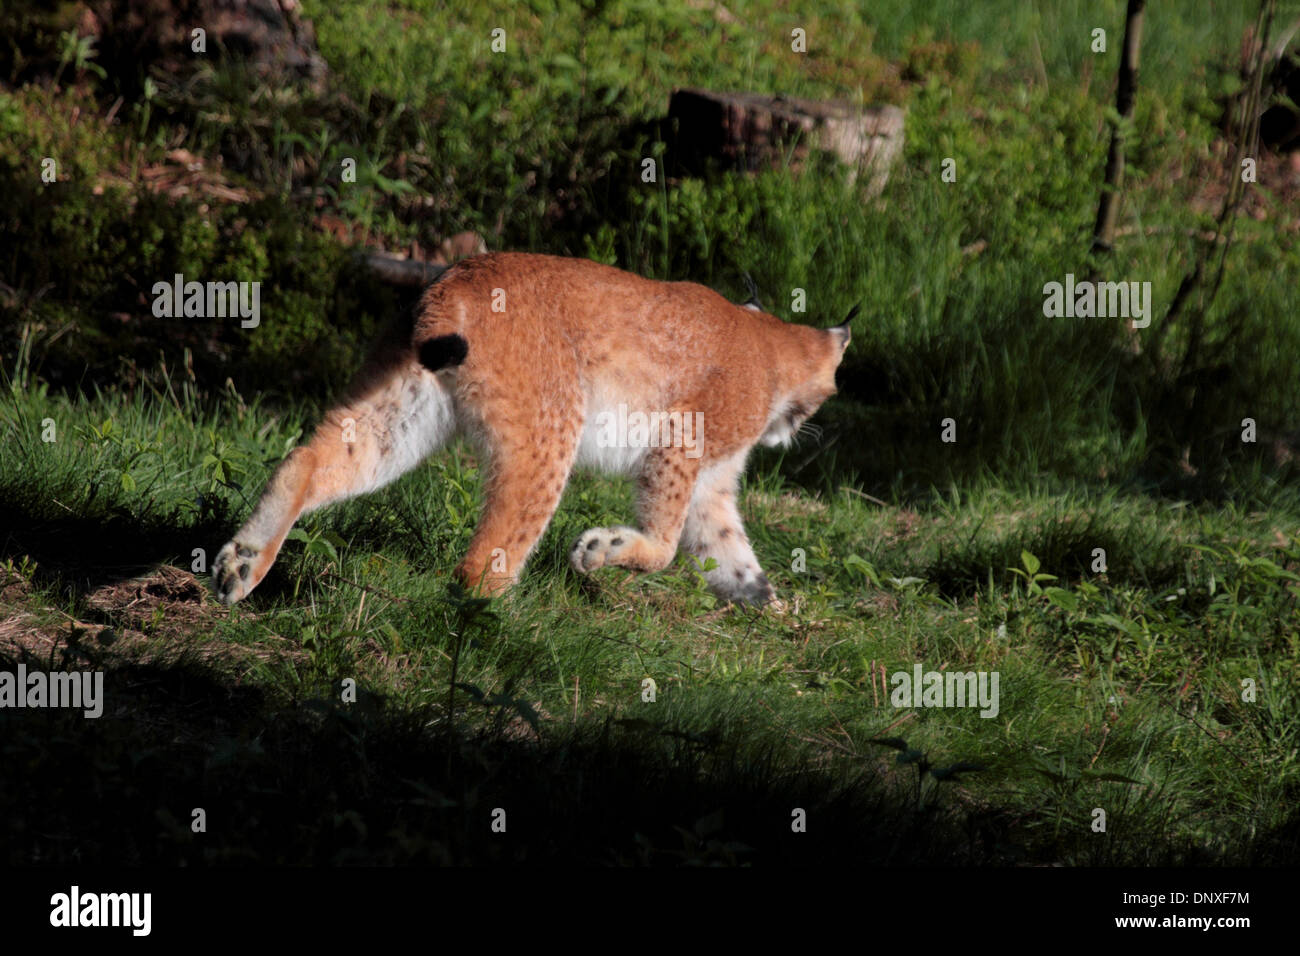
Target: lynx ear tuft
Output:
{"points": [[841, 331], [853, 314], [443, 352], [752, 288]]}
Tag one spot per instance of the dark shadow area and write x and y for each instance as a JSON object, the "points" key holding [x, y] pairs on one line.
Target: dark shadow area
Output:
{"points": [[314, 781], [1282, 843], [78, 554], [1067, 548], [883, 431]]}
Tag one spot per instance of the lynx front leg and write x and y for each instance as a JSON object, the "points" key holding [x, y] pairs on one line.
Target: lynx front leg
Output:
{"points": [[395, 421], [714, 530], [665, 482]]}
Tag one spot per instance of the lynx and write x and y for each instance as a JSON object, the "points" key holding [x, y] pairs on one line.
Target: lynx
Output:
{"points": [[535, 358]]}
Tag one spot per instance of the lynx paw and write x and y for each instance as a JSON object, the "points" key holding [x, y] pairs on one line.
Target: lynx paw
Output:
{"points": [[232, 572], [597, 547], [746, 585]]}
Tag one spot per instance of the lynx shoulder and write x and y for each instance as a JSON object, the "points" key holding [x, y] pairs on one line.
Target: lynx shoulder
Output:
{"points": [[548, 364]]}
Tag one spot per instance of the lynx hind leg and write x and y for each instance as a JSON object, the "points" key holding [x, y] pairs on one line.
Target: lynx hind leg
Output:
{"points": [[529, 471], [666, 480], [714, 530], [399, 414]]}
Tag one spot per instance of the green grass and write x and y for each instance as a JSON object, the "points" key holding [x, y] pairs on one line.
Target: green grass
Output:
{"points": [[1121, 690], [1134, 674], [950, 275]]}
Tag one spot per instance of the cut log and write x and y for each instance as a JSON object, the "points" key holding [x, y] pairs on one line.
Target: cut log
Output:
{"points": [[751, 131], [404, 272]]}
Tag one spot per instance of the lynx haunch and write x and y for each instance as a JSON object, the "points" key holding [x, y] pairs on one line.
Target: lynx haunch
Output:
{"points": [[528, 355]]}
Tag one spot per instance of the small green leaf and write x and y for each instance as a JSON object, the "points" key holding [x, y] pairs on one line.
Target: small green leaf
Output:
{"points": [[906, 582], [857, 563], [1062, 598]]}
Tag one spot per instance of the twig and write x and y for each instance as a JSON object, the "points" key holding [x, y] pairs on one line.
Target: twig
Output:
{"points": [[862, 494]]}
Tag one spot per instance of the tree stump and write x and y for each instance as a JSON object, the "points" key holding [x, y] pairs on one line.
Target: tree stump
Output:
{"points": [[751, 131], [272, 36]]}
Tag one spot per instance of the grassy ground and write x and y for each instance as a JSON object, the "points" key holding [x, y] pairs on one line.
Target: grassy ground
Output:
{"points": [[1126, 689], [1121, 690]]}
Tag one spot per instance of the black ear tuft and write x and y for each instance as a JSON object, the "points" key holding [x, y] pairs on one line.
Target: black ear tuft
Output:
{"points": [[848, 320], [752, 288], [443, 352]]}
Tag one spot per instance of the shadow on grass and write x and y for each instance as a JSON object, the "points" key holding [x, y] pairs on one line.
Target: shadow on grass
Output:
{"points": [[1068, 547], [283, 779], [80, 553], [319, 782]]}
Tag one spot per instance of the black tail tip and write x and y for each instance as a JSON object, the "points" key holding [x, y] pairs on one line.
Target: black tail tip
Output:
{"points": [[443, 352]]}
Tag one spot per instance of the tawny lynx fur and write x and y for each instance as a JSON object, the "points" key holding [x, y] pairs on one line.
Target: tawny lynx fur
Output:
{"points": [[524, 353]]}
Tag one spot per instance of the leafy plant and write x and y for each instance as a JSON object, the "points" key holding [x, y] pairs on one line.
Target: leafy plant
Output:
{"points": [[78, 51], [926, 772]]}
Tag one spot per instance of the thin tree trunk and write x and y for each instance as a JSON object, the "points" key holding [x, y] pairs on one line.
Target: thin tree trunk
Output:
{"points": [[1103, 233], [1246, 143]]}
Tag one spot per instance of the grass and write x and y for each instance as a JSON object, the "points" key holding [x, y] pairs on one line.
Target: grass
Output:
{"points": [[950, 275], [1125, 688], [1120, 689]]}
